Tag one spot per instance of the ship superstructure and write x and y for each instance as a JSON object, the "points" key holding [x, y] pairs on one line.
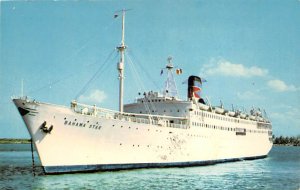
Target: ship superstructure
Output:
{"points": [[157, 130]]}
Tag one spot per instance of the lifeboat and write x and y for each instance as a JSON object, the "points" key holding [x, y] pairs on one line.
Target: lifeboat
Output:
{"points": [[231, 113], [203, 106], [219, 110], [242, 115]]}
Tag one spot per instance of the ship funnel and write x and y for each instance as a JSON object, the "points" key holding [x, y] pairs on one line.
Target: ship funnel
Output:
{"points": [[195, 87]]}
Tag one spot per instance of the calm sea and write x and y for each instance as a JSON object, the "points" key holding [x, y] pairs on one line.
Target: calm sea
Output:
{"points": [[281, 170]]}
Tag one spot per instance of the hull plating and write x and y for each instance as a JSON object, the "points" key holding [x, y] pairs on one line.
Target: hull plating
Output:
{"points": [[82, 143]]}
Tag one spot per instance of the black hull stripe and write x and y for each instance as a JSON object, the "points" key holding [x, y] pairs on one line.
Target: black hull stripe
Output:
{"points": [[111, 167]]}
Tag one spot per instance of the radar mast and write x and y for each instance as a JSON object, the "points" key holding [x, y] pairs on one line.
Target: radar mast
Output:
{"points": [[170, 84]]}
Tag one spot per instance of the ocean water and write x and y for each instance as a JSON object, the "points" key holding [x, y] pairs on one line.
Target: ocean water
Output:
{"points": [[280, 170]]}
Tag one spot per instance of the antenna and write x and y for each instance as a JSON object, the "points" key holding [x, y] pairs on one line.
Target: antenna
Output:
{"points": [[22, 87]]}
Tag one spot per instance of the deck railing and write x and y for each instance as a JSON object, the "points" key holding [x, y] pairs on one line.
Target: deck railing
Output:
{"points": [[163, 121]]}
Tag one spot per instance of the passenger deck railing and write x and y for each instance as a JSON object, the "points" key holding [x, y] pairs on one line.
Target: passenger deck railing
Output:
{"points": [[159, 120]]}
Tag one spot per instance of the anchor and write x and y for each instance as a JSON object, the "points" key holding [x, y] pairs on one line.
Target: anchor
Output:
{"points": [[45, 129]]}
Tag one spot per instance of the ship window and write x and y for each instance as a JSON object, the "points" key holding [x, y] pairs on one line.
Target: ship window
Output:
{"points": [[177, 110], [164, 110]]}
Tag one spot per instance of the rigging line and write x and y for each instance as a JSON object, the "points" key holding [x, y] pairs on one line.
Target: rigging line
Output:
{"points": [[77, 51], [148, 75], [69, 58], [85, 43], [51, 83], [139, 80], [144, 69], [85, 87]]}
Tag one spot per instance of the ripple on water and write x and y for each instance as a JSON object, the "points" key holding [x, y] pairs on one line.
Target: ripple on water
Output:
{"points": [[274, 172]]}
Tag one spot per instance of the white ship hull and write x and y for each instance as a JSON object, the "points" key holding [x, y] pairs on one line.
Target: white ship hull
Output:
{"points": [[81, 142]]}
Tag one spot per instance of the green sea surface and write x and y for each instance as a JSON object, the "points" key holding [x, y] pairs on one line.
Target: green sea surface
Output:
{"points": [[280, 170]]}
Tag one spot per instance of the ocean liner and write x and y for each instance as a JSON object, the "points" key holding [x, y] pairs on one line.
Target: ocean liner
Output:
{"points": [[156, 130]]}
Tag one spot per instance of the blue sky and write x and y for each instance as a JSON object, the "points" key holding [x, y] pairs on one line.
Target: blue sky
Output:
{"points": [[248, 51]]}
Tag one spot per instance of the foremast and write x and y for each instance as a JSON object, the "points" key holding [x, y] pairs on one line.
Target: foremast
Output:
{"points": [[120, 66]]}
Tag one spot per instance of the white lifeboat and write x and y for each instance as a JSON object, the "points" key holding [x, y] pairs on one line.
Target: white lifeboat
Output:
{"points": [[231, 113], [219, 110], [203, 106], [242, 115]]}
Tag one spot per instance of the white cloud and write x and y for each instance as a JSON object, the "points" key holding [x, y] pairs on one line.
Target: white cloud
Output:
{"points": [[248, 95], [291, 115], [281, 86], [226, 68], [95, 97]]}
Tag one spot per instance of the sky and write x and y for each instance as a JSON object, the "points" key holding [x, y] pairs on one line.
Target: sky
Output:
{"points": [[248, 51]]}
